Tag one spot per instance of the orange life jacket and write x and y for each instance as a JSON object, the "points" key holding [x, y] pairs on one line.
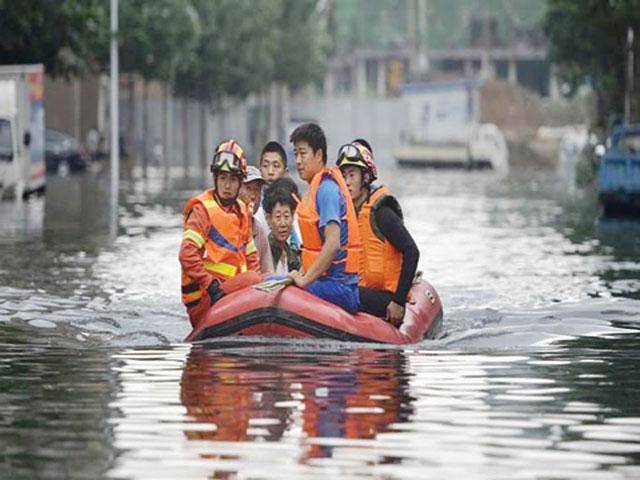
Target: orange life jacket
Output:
{"points": [[226, 246], [380, 262], [308, 222]]}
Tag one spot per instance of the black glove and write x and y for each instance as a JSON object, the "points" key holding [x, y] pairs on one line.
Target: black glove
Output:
{"points": [[215, 292]]}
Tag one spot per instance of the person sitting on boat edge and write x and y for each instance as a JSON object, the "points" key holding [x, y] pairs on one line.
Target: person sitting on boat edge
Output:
{"points": [[251, 194], [217, 254], [328, 224], [389, 256], [274, 166], [280, 202]]}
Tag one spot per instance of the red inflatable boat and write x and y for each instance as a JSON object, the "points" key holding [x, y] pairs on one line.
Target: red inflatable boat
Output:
{"points": [[293, 312]]}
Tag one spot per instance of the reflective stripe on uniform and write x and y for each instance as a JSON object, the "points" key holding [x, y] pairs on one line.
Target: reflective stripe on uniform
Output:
{"points": [[190, 297], [194, 236], [243, 268], [251, 247], [210, 204], [220, 241], [222, 268]]}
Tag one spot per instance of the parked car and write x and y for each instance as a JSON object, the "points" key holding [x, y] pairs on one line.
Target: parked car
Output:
{"points": [[619, 172], [64, 153]]}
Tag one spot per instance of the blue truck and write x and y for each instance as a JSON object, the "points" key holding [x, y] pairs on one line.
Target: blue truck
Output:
{"points": [[619, 172]]}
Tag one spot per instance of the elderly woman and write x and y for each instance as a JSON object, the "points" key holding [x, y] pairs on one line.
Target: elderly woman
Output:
{"points": [[280, 201]]}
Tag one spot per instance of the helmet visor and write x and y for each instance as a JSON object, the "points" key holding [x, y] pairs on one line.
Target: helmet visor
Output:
{"points": [[226, 161], [350, 155], [349, 152], [358, 156]]}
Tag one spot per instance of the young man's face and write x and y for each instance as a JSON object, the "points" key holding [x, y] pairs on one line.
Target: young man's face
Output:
{"points": [[272, 166], [280, 221], [227, 185], [308, 162], [250, 193], [353, 177]]}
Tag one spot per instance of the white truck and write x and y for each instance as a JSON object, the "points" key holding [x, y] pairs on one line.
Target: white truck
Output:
{"points": [[445, 129], [22, 165]]}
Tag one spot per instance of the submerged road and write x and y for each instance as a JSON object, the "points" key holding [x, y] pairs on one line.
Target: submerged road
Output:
{"points": [[534, 376]]}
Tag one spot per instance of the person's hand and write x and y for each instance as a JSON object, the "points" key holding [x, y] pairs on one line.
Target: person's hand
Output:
{"points": [[395, 313], [298, 278]]}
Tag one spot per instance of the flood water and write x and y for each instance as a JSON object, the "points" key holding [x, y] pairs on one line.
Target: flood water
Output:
{"points": [[535, 375]]}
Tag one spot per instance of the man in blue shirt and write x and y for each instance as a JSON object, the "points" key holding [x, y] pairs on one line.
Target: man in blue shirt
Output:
{"points": [[328, 224]]}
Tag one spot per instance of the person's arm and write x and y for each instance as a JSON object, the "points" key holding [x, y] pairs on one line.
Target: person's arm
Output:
{"points": [[328, 252], [328, 204], [264, 249], [252, 255], [393, 229], [193, 237]]}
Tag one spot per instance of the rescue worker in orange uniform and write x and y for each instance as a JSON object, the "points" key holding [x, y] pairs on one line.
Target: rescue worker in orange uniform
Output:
{"points": [[328, 224], [217, 253], [389, 254]]}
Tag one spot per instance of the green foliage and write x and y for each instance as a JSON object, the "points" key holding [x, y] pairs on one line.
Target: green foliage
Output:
{"points": [[245, 45], [301, 43], [155, 35], [207, 49], [588, 43], [63, 35], [235, 53], [384, 23], [368, 24], [449, 19]]}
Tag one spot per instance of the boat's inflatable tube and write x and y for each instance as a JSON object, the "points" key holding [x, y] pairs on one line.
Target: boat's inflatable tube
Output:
{"points": [[293, 312]]}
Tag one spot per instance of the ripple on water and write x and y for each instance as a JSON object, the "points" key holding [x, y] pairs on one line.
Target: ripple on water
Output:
{"points": [[534, 378], [422, 413]]}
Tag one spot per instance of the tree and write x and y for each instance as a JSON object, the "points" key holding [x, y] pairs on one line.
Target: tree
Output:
{"points": [[154, 35], [587, 41], [235, 52], [301, 43], [63, 35]]}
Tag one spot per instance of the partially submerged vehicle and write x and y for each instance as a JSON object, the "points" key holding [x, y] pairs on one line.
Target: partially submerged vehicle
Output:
{"points": [[486, 148], [22, 167], [619, 172], [445, 128]]}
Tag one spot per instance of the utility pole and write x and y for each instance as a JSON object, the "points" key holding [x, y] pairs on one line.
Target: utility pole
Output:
{"points": [[410, 6], [630, 69], [423, 58], [115, 139]]}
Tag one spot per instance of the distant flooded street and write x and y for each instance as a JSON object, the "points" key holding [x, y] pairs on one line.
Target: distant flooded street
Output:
{"points": [[533, 377]]}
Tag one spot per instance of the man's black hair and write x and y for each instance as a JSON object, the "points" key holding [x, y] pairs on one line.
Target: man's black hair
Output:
{"points": [[281, 191], [363, 142], [313, 135], [275, 147]]}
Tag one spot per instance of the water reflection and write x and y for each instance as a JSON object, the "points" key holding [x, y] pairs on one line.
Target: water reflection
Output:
{"points": [[53, 410], [308, 411], [353, 394], [21, 221], [77, 213]]}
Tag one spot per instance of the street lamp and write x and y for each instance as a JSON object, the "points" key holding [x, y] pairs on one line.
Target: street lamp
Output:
{"points": [[115, 138]]}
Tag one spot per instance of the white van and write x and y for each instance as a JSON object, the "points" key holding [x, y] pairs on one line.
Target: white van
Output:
{"points": [[22, 166]]}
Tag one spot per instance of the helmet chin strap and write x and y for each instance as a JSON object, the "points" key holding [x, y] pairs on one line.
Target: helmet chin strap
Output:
{"points": [[364, 184]]}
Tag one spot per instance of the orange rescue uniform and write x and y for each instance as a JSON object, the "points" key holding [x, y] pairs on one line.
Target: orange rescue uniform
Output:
{"points": [[217, 244], [380, 262], [308, 222]]}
